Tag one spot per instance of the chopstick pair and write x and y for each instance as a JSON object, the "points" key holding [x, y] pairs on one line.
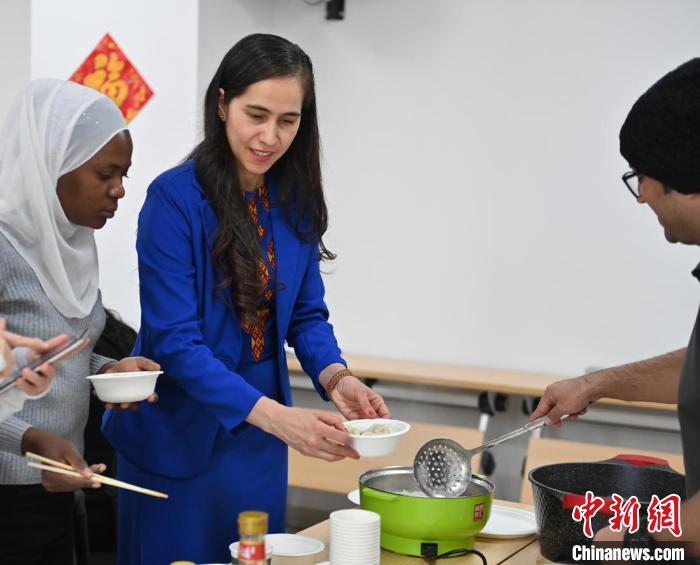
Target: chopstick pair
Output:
{"points": [[63, 469]]}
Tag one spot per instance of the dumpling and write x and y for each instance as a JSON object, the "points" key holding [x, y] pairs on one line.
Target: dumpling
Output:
{"points": [[373, 430]]}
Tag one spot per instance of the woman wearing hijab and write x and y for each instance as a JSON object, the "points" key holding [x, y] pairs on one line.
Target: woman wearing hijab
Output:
{"points": [[64, 151], [229, 246]]}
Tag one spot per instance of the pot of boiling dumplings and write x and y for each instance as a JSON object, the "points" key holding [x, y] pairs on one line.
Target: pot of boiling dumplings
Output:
{"points": [[412, 523], [375, 437]]}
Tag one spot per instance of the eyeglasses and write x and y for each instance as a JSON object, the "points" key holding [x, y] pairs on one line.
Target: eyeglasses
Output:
{"points": [[632, 180]]}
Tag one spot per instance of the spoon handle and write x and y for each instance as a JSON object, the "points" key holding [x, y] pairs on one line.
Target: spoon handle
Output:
{"points": [[527, 428]]}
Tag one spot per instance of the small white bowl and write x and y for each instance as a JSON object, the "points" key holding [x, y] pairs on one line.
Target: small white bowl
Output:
{"points": [[354, 496], [233, 548], [124, 387], [379, 445], [287, 549], [293, 546]]}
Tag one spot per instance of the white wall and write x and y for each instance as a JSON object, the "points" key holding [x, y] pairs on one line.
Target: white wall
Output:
{"points": [[473, 176], [14, 45], [160, 39], [470, 160]]}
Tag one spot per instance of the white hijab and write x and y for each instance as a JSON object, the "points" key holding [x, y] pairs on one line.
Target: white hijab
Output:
{"points": [[53, 127]]}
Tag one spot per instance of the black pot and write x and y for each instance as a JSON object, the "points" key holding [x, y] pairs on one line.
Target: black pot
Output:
{"points": [[558, 488]]}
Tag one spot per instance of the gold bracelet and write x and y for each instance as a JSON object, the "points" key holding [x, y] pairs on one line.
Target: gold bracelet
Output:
{"points": [[335, 379]]}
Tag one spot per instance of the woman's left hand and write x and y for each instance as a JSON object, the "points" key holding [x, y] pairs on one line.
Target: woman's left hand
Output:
{"points": [[355, 400], [131, 365]]}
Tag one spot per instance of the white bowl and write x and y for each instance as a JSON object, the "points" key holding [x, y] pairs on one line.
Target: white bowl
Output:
{"points": [[287, 549], [379, 445], [233, 548], [354, 496], [293, 545], [124, 387]]}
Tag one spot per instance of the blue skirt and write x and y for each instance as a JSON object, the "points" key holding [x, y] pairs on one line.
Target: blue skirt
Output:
{"points": [[247, 471]]}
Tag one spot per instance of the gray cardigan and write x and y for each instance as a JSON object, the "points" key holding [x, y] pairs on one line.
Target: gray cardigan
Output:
{"points": [[64, 410]]}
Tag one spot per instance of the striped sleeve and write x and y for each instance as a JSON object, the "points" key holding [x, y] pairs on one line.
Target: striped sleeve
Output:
{"points": [[98, 361], [11, 432]]}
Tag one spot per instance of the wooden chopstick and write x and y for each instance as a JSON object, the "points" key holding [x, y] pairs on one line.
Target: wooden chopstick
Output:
{"points": [[63, 469], [53, 462], [99, 479]]}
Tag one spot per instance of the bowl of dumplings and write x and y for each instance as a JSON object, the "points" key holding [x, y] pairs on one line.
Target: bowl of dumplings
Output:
{"points": [[375, 437]]}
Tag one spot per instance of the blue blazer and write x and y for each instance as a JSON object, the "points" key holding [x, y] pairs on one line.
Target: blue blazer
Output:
{"points": [[197, 338]]}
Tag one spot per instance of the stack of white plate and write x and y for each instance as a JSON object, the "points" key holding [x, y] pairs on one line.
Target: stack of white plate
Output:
{"points": [[354, 537]]}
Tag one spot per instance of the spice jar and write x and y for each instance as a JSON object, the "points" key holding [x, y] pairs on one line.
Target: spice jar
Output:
{"points": [[252, 527]]}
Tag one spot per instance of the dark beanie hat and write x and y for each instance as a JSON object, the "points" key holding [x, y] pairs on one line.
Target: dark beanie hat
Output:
{"points": [[661, 135]]}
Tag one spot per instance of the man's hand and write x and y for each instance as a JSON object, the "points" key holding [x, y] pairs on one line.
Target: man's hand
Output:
{"points": [[570, 396], [611, 539], [607, 535]]}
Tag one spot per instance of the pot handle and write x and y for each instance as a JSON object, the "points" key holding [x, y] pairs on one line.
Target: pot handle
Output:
{"points": [[379, 495], [570, 500], [639, 460]]}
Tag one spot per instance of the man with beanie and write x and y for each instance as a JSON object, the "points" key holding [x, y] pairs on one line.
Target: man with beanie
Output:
{"points": [[660, 140]]}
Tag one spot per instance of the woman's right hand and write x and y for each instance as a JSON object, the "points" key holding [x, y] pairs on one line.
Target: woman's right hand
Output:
{"points": [[54, 447], [311, 432]]}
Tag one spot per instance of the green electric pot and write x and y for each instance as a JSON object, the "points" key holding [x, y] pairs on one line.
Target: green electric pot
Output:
{"points": [[413, 523]]}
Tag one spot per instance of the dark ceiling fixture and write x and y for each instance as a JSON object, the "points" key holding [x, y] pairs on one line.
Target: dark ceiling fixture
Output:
{"points": [[335, 9]]}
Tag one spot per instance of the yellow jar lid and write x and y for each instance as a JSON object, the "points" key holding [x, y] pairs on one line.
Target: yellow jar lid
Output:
{"points": [[252, 523]]}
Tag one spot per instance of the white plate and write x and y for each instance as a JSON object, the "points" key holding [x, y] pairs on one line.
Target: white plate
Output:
{"points": [[293, 545], [354, 496], [507, 522]]}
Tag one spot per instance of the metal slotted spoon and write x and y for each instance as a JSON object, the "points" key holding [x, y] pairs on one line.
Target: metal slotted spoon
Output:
{"points": [[443, 467]]}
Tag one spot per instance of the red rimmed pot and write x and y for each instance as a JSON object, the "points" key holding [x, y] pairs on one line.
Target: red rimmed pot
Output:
{"points": [[558, 488]]}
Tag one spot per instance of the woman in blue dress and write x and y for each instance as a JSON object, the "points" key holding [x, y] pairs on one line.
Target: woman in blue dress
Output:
{"points": [[229, 245]]}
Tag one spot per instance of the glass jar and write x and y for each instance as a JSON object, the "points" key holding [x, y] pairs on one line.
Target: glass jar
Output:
{"points": [[252, 527]]}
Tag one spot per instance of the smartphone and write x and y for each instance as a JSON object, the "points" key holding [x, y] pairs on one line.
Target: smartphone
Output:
{"points": [[52, 356]]}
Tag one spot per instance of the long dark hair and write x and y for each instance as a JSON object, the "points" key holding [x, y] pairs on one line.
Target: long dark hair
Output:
{"points": [[297, 173]]}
